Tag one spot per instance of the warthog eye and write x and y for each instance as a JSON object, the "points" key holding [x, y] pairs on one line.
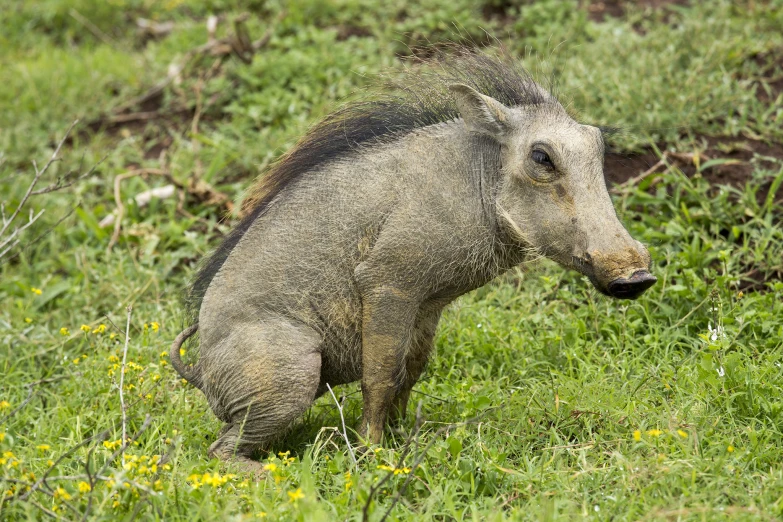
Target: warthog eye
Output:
{"points": [[542, 158]]}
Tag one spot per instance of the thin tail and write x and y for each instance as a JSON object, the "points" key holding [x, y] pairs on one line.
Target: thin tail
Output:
{"points": [[189, 373]]}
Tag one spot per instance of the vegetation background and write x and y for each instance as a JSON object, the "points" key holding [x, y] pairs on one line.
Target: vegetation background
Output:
{"points": [[544, 401]]}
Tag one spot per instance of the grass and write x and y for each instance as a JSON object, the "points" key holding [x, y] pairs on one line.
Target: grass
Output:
{"points": [[544, 400]]}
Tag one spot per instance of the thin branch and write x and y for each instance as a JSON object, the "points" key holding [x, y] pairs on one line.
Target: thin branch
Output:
{"points": [[122, 371], [94, 29], [32, 219], [30, 394], [57, 185], [684, 157], [118, 197], [47, 511], [125, 445], [38, 237], [38, 174], [62, 457], [342, 419], [422, 454], [406, 449]]}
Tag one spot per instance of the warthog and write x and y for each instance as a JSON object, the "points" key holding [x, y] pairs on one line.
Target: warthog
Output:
{"points": [[379, 217]]}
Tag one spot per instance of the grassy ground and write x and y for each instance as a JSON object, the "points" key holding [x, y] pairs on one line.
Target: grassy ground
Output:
{"points": [[544, 400]]}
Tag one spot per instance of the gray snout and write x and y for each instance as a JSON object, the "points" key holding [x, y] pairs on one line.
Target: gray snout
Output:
{"points": [[632, 287]]}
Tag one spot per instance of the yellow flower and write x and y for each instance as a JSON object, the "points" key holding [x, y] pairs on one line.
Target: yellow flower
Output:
{"points": [[112, 444], [683, 434], [293, 496], [384, 467], [740, 295], [164, 354], [637, 435], [43, 447], [101, 329], [36, 291], [112, 336], [270, 467], [402, 471], [4, 405], [654, 433], [155, 326], [61, 493], [84, 487], [730, 449], [146, 327], [50, 463], [84, 328], [64, 331], [182, 352], [76, 361], [2, 436], [28, 320]]}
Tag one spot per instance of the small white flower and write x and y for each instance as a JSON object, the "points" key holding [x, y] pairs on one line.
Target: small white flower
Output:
{"points": [[596, 508], [717, 333], [721, 372]]}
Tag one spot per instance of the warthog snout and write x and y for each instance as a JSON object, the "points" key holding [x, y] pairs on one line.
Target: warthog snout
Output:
{"points": [[632, 287]]}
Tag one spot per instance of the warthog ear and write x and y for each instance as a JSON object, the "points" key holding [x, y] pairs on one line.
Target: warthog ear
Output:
{"points": [[481, 113]]}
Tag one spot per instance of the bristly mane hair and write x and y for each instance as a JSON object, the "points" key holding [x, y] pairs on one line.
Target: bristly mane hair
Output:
{"points": [[420, 99]]}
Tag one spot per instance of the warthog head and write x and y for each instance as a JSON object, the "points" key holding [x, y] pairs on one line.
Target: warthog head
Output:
{"points": [[552, 195]]}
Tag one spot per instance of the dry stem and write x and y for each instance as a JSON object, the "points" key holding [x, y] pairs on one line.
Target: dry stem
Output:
{"points": [[122, 371], [342, 419]]}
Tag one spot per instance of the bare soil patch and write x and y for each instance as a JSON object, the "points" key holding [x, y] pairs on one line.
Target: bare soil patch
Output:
{"points": [[619, 168], [599, 11], [745, 156], [770, 84]]}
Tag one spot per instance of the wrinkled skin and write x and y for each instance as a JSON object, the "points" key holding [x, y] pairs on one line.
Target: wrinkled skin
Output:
{"points": [[345, 276], [561, 209]]}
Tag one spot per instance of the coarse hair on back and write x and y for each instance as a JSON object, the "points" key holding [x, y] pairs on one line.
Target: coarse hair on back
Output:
{"points": [[416, 99]]}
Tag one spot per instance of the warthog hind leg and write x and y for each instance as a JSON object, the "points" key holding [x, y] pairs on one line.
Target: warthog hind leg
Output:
{"points": [[267, 384]]}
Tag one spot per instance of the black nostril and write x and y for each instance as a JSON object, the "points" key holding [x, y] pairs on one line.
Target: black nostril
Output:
{"points": [[632, 287]]}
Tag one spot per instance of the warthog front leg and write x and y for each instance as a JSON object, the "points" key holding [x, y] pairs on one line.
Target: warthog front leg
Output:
{"points": [[416, 359], [388, 318]]}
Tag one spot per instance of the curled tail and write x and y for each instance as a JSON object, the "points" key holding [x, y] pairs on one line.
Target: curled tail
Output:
{"points": [[189, 373]]}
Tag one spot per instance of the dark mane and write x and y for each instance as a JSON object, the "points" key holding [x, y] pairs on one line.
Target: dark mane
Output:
{"points": [[420, 99]]}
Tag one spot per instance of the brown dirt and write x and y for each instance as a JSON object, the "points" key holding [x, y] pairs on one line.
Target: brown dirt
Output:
{"points": [[619, 168], [598, 11], [770, 84], [347, 31]]}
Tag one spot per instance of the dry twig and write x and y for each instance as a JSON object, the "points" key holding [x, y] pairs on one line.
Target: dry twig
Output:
{"points": [[31, 392], [201, 188], [122, 370], [7, 242], [342, 419], [683, 157], [413, 436]]}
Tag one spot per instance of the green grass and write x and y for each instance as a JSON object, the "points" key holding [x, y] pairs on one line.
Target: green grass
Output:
{"points": [[544, 400]]}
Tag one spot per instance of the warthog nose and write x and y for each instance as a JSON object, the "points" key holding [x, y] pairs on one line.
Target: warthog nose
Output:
{"points": [[632, 287]]}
